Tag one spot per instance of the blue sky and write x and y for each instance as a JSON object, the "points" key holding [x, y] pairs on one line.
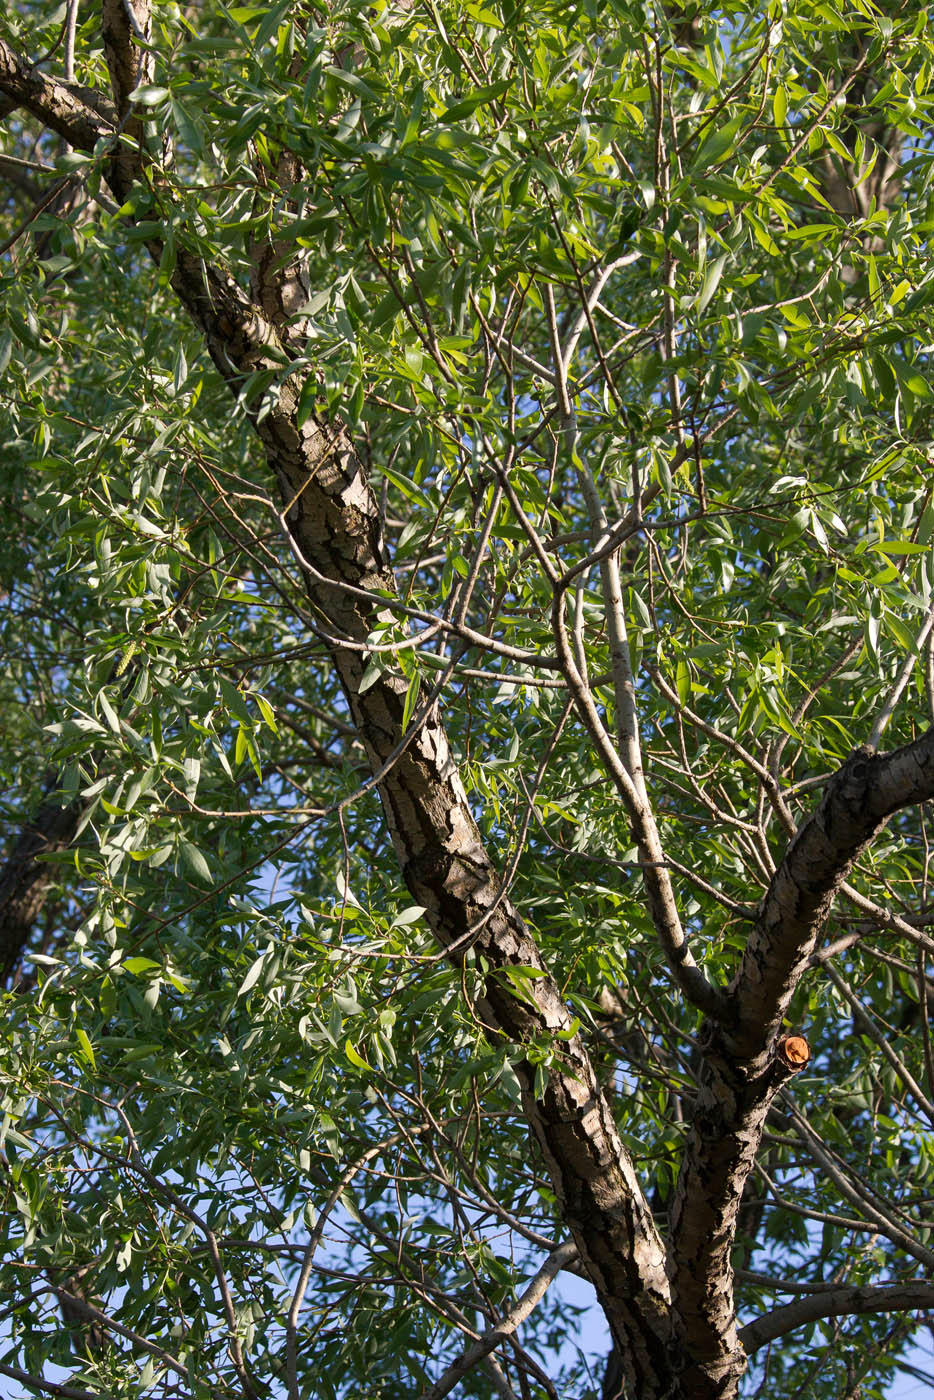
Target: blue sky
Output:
{"points": [[594, 1338]]}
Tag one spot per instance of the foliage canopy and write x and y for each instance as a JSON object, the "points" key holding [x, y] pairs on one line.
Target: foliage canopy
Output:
{"points": [[468, 480]]}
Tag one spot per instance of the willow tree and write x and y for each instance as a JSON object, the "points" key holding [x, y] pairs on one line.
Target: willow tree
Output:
{"points": [[467, 697]]}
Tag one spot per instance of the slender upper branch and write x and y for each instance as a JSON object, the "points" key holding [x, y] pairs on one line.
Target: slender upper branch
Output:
{"points": [[56, 1388], [533, 1294], [839, 1302]]}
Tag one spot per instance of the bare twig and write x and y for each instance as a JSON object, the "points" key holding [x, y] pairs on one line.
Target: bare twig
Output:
{"points": [[563, 1255]]}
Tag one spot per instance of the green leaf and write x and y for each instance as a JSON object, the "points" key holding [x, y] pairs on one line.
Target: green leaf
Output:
{"points": [[351, 80], [711, 281], [252, 976], [373, 671], [234, 701], [85, 1048], [779, 106], [267, 712], [137, 965], [408, 916], [411, 700], [716, 143], [683, 681], [149, 95], [196, 862], [479, 98], [355, 1058], [108, 711], [520, 976]]}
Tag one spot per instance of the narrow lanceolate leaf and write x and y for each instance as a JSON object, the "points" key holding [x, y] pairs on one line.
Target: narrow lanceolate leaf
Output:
{"points": [[86, 1049], [411, 699], [712, 278], [196, 861], [252, 976]]}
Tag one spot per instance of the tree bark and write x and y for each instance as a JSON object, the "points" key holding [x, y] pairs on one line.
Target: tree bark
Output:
{"points": [[26, 879], [334, 522], [741, 1070]]}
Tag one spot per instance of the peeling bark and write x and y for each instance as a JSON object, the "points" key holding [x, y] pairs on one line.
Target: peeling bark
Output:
{"points": [[334, 522], [76, 113], [730, 1111], [125, 25]]}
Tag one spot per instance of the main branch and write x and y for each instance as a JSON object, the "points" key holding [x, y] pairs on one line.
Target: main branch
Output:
{"points": [[335, 524]]}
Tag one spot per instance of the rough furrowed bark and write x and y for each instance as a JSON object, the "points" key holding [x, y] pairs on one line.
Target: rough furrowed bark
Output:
{"points": [[76, 113], [125, 30], [729, 1115], [857, 802], [742, 1067], [334, 521], [26, 879]]}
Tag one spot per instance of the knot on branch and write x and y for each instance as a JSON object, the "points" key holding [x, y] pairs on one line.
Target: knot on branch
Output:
{"points": [[856, 768], [793, 1052]]}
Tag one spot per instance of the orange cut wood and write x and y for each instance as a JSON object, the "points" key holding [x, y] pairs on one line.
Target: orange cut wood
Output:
{"points": [[794, 1050]]}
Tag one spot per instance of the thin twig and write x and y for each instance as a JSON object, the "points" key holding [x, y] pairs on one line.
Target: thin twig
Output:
{"points": [[565, 1253]]}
